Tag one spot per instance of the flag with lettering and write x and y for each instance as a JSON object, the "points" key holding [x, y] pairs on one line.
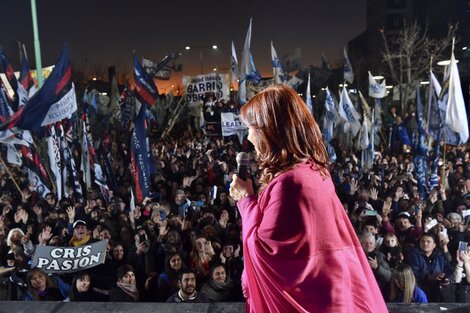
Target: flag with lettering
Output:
{"points": [[349, 114], [139, 157], [145, 88], [376, 90], [55, 100], [55, 160], [37, 173]]}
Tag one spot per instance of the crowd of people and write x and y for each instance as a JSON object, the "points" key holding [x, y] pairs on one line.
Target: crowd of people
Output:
{"points": [[183, 242]]}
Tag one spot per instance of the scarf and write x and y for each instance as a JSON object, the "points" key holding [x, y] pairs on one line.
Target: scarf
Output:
{"points": [[77, 243], [216, 291], [131, 290]]}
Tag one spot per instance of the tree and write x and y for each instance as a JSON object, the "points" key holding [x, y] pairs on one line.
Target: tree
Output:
{"points": [[411, 54]]}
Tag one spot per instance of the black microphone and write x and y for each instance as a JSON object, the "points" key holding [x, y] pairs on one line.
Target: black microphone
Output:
{"points": [[243, 165]]}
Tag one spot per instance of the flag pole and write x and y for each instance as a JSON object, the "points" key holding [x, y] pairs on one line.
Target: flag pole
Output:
{"points": [[37, 46], [9, 174]]}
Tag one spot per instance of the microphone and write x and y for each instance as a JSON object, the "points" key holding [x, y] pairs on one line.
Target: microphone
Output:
{"points": [[243, 165]]}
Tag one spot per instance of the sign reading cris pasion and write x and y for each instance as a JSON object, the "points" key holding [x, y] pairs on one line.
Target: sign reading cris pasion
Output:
{"points": [[196, 87], [69, 259]]}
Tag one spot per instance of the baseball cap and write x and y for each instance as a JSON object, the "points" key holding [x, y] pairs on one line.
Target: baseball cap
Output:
{"points": [[79, 222], [404, 214]]}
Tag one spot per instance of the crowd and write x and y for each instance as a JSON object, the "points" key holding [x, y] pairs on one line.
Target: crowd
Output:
{"points": [[183, 242]]}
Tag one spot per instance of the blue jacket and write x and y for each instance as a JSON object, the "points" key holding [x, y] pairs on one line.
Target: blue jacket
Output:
{"points": [[423, 266], [419, 296]]}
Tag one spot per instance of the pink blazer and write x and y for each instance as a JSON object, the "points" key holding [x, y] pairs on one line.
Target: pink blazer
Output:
{"points": [[301, 253]]}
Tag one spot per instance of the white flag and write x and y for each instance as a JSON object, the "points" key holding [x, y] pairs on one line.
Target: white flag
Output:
{"points": [[278, 73], [456, 116], [53, 151], [347, 70], [13, 156], [348, 113], [376, 90], [234, 65]]}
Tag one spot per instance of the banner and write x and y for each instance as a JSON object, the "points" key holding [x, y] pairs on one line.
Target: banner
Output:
{"points": [[69, 259], [231, 124], [196, 87], [376, 90], [140, 157]]}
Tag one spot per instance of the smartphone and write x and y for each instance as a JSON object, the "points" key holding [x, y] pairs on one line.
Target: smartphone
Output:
{"points": [[370, 213], [443, 232], [163, 215], [431, 224], [142, 238], [463, 245]]}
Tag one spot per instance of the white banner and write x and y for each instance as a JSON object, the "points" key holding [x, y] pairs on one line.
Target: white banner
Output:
{"points": [[231, 124], [61, 109], [69, 259], [196, 87]]}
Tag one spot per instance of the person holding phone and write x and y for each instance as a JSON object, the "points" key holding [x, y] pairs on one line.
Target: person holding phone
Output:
{"points": [[430, 266], [377, 261], [462, 273]]}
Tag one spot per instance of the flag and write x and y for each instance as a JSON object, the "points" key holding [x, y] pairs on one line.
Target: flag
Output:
{"points": [[294, 82], [376, 90], [55, 101], [446, 133], [349, 114], [324, 63], [139, 157], [434, 116], [308, 96], [456, 115], [126, 103], [161, 70], [26, 80], [37, 173], [420, 150], [55, 162], [114, 100], [291, 62], [86, 158], [248, 70], [13, 155], [69, 164], [12, 80], [107, 168], [145, 88], [278, 73], [5, 109], [330, 107], [366, 110], [347, 69], [234, 65]]}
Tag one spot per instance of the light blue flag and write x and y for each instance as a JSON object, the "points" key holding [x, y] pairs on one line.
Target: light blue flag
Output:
{"points": [[278, 72], [308, 96], [248, 70], [349, 114], [347, 70]]}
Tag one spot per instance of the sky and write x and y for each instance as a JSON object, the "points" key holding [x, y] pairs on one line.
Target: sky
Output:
{"points": [[102, 33]]}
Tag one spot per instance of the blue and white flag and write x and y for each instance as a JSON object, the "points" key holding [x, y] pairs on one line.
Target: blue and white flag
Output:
{"points": [[446, 133], [145, 88], [12, 80], [376, 90], [26, 82], [434, 121], [456, 115], [278, 73], [5, 109], [347, 70], [349, 114], [234, 65], [420, 151], [139, 157], [366, 110], [248, 70], [55, 100], [308, 96], [330, 107]]}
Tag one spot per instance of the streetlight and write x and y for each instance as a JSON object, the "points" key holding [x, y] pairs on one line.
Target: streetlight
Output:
{"points": [[201, 55]]}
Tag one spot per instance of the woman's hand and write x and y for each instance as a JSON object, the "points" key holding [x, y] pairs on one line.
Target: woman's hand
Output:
{"points": [[240, 188]]}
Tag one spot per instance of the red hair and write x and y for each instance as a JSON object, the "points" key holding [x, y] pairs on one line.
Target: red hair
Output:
{"points": [[287, 128]]}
